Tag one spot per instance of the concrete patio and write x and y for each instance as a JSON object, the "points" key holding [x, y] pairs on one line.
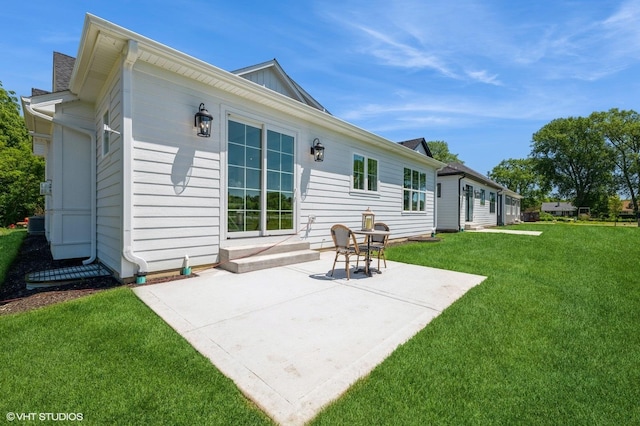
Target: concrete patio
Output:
{"points": [[293, 338]]}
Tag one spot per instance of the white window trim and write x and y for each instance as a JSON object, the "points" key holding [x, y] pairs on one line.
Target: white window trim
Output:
{"points": [[426, 192], [364, 191]]}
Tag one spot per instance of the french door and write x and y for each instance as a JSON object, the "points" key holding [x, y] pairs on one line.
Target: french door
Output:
{"points": [[260, 181], [468, 217]]}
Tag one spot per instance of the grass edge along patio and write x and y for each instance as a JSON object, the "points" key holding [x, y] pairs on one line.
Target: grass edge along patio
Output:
{"points": [[549, 338]]}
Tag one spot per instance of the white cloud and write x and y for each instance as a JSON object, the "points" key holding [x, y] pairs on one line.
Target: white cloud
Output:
{"points": [[484, 77]]}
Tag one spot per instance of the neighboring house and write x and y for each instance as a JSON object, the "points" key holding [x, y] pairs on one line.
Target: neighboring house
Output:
{"points": [[130, 184], [559, 208], [467, 200]]}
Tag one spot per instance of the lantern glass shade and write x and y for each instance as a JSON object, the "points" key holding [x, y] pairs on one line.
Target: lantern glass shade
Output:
{"points": [[202, 121], [317, 150], [368, 220]]}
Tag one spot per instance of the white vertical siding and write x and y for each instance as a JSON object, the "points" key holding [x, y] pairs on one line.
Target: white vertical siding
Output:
{"points": [[176, 176], [482, 215], [448, 204], [109, 182], [511, 210], [326, 192], [69, 215], [179, 190]]}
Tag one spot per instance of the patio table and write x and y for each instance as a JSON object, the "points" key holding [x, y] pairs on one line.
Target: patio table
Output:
{"points": [[368, 234]]}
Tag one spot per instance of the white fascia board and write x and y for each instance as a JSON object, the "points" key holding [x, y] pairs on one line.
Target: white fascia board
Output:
{"points": [[225, 80]]}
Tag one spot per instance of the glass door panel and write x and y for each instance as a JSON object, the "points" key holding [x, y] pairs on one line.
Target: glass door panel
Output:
{"points": [[279, 208], [244, 179], [260, 181]]}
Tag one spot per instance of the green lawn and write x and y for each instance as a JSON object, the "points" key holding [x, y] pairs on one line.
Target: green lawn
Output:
{"points": [[551, 337], [10, 241]]}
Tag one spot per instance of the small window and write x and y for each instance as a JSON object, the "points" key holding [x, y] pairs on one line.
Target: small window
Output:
{"points": [[105, 134], [483, 197], [439, 190], [365, 173], [492, 202], [415, 191]]}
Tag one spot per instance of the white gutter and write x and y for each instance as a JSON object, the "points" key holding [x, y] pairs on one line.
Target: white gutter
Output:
{"points": [[131, 55], [92, 136]]}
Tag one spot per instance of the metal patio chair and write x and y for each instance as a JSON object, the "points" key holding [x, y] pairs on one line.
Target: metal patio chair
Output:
{"points": [[346, 245], [379, 242]]}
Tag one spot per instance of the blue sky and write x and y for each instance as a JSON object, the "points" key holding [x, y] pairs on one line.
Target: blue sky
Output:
{"points": [[482, 75]]}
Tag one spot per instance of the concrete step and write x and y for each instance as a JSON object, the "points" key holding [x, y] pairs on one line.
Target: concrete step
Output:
{"points": [[473, 227], [241, 251], [265, 261]]}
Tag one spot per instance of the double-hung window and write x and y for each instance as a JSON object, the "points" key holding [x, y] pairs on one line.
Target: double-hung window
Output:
{"points": [[415, 190], [365, 173], [492, 202]]}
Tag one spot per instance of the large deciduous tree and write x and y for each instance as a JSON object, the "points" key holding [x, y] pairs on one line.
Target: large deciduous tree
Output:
{"points": [[572, 155], [440, 151], [20, 171], [519, 174], [621, 130]]}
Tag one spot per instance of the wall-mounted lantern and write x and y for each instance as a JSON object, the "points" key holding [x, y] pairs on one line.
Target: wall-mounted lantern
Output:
{"points": [[317, 150], [368, 220], [203, 121]]}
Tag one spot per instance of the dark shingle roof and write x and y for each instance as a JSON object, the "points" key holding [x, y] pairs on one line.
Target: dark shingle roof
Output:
{"points": [[62, 70], [414, 143], [558, 206], [461, 169], [38, 92]]}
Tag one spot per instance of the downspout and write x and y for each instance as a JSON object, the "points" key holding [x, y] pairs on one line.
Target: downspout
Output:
{"points": [[92, 136], [435, 202], [131, 55], [501, 208], [460, 201]]}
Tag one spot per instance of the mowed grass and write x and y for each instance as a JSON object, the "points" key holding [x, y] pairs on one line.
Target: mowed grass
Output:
{"points": [[551, 337], [111, 359], [10, 241]]}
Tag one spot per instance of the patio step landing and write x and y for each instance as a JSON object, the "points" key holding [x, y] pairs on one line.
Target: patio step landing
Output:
{"points": [[253, 257]]}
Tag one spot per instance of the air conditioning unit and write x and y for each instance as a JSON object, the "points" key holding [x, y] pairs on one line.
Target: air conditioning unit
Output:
{"points": [[45, 188]]}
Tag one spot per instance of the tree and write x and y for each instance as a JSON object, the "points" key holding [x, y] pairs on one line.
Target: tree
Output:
{"points": [[615, 207], [520, 175], [621, 130], [440, 151], [20, 171], [571, 154]]}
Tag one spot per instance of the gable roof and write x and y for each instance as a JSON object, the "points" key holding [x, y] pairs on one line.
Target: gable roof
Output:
{"points": [[62, 70], [460, 169], [419, 145], [103, 45], [271, 75], [558, 206]]}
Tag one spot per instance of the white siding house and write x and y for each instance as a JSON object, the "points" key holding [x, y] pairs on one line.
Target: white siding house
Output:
{"points": [[468, 200], [135, 188]]}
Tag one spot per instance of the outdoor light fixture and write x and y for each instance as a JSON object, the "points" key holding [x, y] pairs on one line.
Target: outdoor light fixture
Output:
{"points": [[317, 150], [202, 121], [368, 220]]}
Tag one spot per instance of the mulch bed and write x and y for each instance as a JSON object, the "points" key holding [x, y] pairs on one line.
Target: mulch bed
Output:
{"points": [[35, 256]]}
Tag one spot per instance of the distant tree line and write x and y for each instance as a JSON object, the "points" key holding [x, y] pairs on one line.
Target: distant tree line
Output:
{"points": [[20, 171], [587, 160]]}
